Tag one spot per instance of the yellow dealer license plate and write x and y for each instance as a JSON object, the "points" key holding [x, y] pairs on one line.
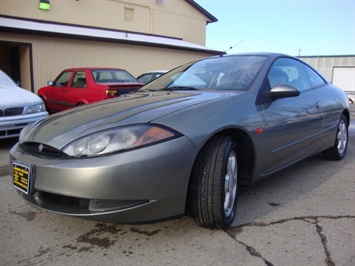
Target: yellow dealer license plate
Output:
{"points": [[21, 177]]}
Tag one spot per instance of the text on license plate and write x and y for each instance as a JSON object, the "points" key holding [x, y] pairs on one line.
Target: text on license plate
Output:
{"points": [[21, 177]]}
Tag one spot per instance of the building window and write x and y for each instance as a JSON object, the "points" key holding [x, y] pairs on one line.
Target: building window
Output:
{"points": [[128, 14]]}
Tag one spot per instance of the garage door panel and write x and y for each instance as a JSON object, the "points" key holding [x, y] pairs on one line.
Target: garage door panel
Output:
{"points": [[344, 78]]}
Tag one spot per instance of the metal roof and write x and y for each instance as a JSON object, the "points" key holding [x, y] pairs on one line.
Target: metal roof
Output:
{"points": [[203, 11]]}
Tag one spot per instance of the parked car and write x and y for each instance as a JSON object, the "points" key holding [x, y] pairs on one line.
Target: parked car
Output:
{"points": [[184, 143], [351, 97], [77, 86], [151, 75], [18, 107]]}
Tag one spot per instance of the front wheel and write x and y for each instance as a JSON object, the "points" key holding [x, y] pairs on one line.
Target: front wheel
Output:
{"points": [[338, 151], [214, 184]]}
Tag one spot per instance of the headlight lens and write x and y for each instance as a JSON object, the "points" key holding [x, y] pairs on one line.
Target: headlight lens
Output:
{"points": [[119, 139], [37, 108]]}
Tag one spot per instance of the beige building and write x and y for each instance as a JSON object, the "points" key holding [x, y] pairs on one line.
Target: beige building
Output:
{"points": [[338, 69], [137, 35]]}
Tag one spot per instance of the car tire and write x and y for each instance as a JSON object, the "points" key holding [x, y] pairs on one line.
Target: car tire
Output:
{"points": [[214, 184], [338, 151]]}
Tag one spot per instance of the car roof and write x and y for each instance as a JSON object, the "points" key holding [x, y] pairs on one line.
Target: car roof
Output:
{"points": [[268, 54], [93, 68], [156, 71]]}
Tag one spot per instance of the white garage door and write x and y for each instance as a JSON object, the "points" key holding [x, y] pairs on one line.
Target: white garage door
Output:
{"points": [[344, 78]]}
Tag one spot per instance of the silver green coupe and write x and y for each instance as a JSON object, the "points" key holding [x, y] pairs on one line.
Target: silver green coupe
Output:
{"points": [[184, 143]]}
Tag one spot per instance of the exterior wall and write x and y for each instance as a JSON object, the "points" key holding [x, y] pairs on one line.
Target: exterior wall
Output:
{"points": [[326, 64], [25, 64], [172, 18], [42, 57], [50, 55]]}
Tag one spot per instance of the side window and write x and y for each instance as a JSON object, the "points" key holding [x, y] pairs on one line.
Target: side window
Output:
{"points": [[314, 79], [79, 80], [287, 71], [63, 79], [94, 75]]}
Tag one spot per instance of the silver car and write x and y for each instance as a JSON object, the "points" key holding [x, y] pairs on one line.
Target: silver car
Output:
{"points": [[151, 75], [18, 107], [184, 143]]}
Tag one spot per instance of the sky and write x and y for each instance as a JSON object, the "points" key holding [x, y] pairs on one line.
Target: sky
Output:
{"points": [[294, 27]]}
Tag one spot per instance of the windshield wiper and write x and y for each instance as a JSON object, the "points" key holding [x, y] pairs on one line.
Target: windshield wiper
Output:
{"points": [[179, 88]]}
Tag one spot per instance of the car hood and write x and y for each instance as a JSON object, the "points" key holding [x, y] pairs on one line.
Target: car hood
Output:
{"points": [[17, 97], [60, 129]]}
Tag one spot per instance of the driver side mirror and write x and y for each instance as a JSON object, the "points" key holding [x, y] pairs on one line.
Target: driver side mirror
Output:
{"points": [[283, 91], [50, 83]]}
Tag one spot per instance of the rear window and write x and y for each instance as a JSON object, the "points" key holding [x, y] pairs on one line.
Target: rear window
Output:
{"points": [[111, 76]]}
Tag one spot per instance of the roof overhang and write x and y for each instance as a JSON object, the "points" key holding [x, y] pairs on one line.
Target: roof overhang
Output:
{"points": [[45, 28], [203, 11]]}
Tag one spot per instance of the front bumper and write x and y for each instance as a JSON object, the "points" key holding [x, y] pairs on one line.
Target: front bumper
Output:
{"points": [[136, 186], [11, 126]]}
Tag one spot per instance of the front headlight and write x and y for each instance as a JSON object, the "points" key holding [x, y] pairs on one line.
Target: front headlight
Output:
{"points": [[119, 139], [37, 108]]}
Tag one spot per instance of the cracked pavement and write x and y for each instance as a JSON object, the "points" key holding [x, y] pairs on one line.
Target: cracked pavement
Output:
{"points": [[310, 240], [304, 215]]}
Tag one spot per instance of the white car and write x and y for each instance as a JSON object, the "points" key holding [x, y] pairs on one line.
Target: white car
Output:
{"points": [[18, 107], [151, 75]]}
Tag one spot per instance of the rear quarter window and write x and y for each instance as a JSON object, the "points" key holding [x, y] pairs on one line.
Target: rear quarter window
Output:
{"points": [[315, 79]]}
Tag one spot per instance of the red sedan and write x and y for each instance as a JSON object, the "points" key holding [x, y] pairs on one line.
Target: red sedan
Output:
{"points": [[77, 86]]}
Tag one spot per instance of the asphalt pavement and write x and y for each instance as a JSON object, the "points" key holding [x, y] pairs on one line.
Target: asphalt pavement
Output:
{"points": [[304, 215]]}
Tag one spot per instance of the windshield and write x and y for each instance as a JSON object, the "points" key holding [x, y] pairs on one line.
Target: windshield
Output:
{"points": [[217, 73]]}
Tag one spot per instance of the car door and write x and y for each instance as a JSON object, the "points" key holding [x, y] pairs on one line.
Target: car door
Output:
{"points": [[293, 124], [76, 92], [57, 94]]}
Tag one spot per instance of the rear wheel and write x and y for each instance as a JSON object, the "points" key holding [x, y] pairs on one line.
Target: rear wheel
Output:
{"points": [[338, 151], [214, 184]]}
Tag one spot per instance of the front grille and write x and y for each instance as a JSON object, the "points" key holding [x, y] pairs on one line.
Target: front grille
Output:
{"points": [[64, 201], [10, 132], [11, 111], [41, 149]]}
